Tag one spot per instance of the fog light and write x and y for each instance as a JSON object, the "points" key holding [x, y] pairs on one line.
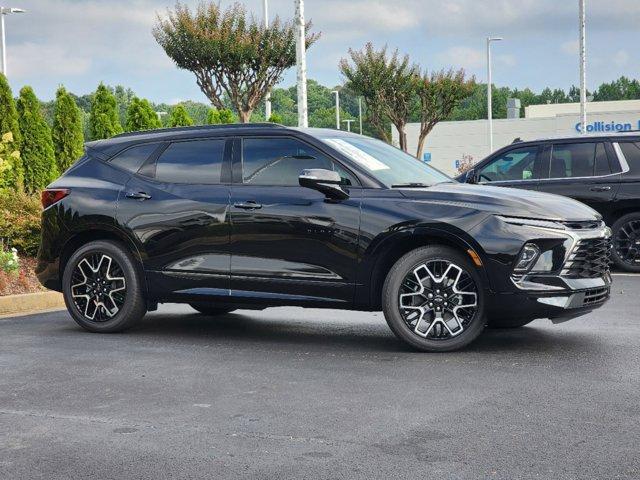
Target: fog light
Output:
{"points": [[527, 258]]}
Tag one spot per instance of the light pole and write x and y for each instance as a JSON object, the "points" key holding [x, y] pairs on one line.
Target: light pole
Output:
{"points": [[6, 11], [360, 113], [583, 69], [301, 61], [489, 106], [348, 122], [337, 108], [267, 98]]}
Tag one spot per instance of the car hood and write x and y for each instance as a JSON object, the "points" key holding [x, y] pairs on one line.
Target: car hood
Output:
{"points": [[505, 201]]}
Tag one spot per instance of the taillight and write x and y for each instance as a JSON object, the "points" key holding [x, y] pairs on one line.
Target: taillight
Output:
{"points": [[50, 196]]}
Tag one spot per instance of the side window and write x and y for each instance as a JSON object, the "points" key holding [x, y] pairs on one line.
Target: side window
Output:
{"points": [[192, 161], [132, 158], [279, 161], [631, 152], [516, 164], [572, 160], [602, 161]]}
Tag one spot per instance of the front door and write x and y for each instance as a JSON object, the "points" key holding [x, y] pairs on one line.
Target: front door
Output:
{"points": [[290, 243], [177, 208], [519, 167]]}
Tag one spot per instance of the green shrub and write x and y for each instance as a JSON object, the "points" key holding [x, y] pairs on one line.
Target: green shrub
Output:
{"points": [[104, 121], [9, 262], [180, 117], [20, 221], [68, 139]]}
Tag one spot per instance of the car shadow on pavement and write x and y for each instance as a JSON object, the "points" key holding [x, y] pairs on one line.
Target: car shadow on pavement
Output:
{"points": [[251, 328]]}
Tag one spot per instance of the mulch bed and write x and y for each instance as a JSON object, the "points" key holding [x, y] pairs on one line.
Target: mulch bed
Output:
{"points": [[24, 281]]}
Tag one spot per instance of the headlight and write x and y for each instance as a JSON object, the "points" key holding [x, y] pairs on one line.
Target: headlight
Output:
{"points": [[527, 258], [531, 222]]}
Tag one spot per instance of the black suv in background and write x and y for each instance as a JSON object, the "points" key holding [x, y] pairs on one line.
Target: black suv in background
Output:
{"points": [[600, 171], [262, 215]]}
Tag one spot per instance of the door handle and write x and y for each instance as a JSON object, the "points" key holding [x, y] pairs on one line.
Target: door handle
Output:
{"points": [[604, 188], [250, 205], [138, 195]]}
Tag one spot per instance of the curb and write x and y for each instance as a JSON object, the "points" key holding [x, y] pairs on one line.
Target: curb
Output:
{"points": [[27, 303]]}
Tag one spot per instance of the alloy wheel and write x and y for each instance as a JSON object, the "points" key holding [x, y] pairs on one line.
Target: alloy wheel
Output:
{"points": [[627, 243], [438, 300], [98, 287]]}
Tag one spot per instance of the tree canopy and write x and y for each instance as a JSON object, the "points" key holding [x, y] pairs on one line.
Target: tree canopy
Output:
{"points": [[141, 116], [104, 121], [229, 52], [67, 135], [36, 150], [179, 117], [13, 169]]}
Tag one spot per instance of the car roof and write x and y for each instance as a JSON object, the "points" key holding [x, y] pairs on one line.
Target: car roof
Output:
{"points": [[107, 148]]}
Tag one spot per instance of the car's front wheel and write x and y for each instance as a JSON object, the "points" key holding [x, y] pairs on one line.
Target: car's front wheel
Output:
{"points": [[102, 287], [626, 242], [433, 299]]}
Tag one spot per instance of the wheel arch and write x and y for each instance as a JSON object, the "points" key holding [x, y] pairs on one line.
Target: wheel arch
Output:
{"points": [[392, 248]]}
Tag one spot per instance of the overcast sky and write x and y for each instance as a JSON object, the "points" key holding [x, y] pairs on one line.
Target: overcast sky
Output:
{"points": [[79, 43]]}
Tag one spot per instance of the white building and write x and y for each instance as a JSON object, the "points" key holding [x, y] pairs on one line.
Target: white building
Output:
{"points": [[452, 143]]}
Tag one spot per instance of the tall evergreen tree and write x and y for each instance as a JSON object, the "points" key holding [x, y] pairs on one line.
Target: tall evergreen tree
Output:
{"points": [[103, 120], [141, 116], [37, 152], [213, 116], [13, 177], [68, 139], [179, 117]]}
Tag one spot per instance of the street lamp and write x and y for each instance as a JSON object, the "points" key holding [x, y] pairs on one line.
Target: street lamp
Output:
{"points": [[360, 113], [267, 98], [489, 106], [6, 11], [583, 68], [301, 61], [337, 108]]}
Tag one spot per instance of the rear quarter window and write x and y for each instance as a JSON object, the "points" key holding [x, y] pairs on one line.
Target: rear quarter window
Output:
{"points": [[132, 158], [631, 151]]}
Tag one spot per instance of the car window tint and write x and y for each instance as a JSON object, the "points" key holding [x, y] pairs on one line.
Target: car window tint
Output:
{"points": [[631, 151], [602, 161], [195, 161], [517, 164], [279, 161], [572, 160], [132, 158]]}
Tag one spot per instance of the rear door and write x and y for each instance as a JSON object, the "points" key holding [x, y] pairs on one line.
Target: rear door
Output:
{"points": [[583, 171], [177, 208], [518, 167]]}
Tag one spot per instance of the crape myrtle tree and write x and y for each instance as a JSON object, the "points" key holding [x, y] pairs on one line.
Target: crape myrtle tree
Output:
{"points": [[67, 134], [14, 172], [36, 150], [104, 121], [141, 116], [438, 94], [180, 117], [229, 52], [387, 84]]}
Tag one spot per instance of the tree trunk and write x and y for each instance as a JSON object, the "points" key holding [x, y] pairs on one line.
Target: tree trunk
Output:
{"points": [[421, 139], [402, 136], [245, 116]]}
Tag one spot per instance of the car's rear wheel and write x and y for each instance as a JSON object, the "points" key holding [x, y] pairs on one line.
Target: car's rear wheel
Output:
{"points": [[433, 299], [626, 242], [508, 322], [210, 309], [102, 287]]}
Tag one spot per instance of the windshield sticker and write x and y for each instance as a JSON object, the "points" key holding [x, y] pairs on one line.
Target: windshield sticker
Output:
{"points": [[362, 157]]}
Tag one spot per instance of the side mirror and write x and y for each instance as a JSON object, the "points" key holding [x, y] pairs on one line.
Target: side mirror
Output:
{"points": [[471, 176], [325, 181]]}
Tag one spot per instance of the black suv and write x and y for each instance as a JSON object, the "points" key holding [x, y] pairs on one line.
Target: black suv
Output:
{"points": [[601, 171], [262, 215]]}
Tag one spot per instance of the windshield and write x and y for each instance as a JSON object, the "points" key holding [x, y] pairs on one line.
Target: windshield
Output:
{"points": [[390, 165]]}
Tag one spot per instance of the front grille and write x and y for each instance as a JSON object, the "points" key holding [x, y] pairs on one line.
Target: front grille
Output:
{"points": [[583, 224], [589, 259], [596, 296]]}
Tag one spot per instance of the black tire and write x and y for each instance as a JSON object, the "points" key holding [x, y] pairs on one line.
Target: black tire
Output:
{"points": [[396, 282], [624, 231], [210, 309], [121, 270], [495, 323]]}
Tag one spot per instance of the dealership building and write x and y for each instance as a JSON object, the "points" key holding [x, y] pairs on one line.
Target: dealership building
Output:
{"points": [[451, 143]]}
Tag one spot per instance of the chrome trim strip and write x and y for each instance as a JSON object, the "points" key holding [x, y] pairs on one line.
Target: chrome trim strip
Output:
{"points": [[621, 158]]}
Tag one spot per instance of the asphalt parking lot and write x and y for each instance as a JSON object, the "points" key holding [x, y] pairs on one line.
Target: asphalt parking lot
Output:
{"points": [[293, 393]]}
